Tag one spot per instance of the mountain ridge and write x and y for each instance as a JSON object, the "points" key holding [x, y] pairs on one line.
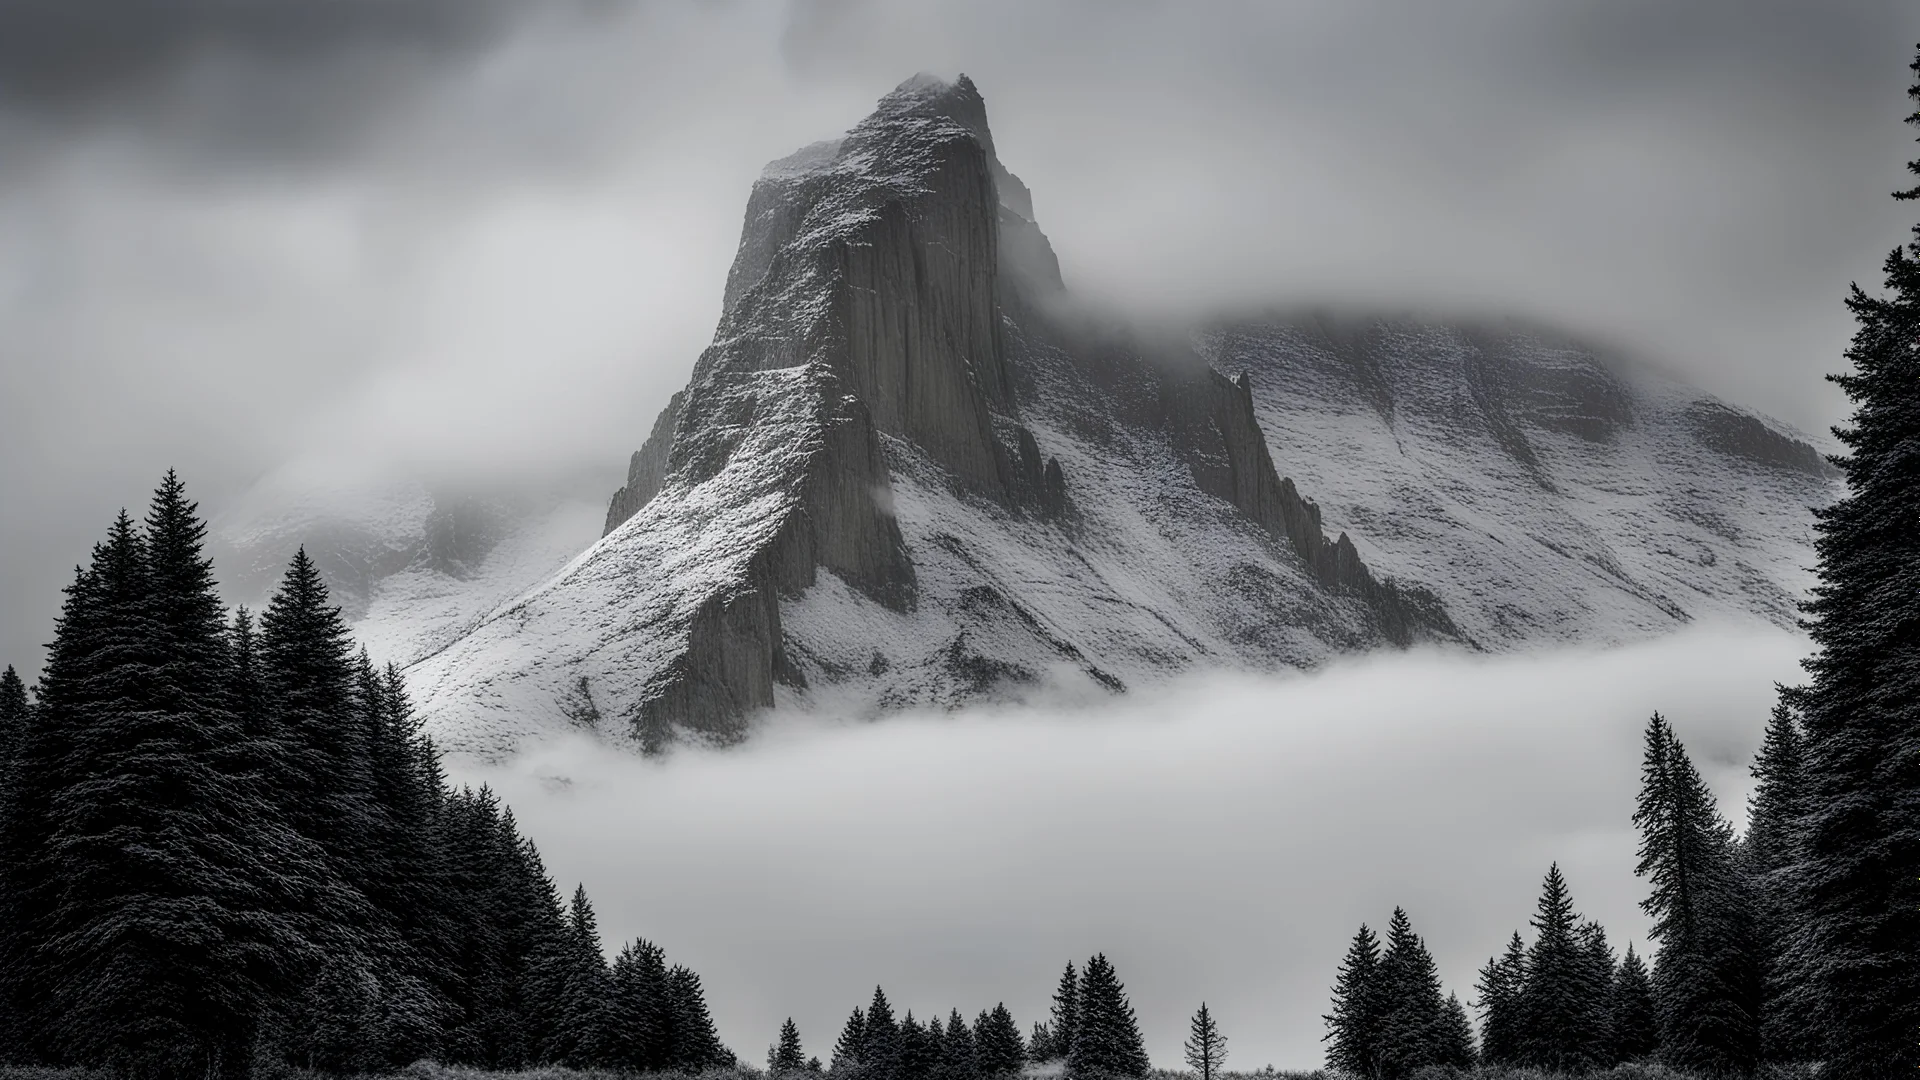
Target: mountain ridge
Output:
{"points": [[911, 471]]}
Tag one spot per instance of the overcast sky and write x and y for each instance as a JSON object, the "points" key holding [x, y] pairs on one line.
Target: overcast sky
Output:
{"points": [[1219, 839], [483, 235]]}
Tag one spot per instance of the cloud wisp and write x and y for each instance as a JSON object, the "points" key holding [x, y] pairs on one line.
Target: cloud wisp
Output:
{"points": [[1220, 838]]}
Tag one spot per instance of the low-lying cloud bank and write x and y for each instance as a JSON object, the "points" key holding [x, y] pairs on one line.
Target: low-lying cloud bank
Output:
{"points": [[1219, 838]]}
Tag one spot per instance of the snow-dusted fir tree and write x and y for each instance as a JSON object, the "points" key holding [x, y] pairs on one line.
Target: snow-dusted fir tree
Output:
{"points": [[998, 1045], [1106, 1034], [1859, 877], [1456, 1037], [1206, 1047]]}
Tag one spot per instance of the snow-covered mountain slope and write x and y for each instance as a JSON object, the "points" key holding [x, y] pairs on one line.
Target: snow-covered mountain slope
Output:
{"points": [[911, 471], [413, 566], [1545, 493]]}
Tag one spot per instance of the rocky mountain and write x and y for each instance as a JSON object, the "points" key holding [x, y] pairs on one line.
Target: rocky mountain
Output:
{"points": [[911, 470]]}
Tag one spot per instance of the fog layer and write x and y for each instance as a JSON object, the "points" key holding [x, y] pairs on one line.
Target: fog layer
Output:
{"points": [[1219, 839]]}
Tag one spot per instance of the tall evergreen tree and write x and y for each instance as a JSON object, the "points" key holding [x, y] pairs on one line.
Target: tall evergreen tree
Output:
{"points": [[13, 715], [1705, 982], [307, 660], [1561, 1022], [997, 1038], [1769, 853], [1206, 1047], [1858, 885], [1066, 1013], [1353, 1027], [1412, 1014], [13, 730], [1501, 1024], [174, 908], [882, 1038], [1106, 1035], [1633, 1027]]}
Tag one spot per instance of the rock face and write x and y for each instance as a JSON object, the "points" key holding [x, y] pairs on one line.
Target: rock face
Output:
{"points": [[908, 472]]}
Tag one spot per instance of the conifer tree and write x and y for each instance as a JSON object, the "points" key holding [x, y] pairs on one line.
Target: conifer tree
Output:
{"points": [[1633, 1028], [1065, 1015], [1705, 981], [1456, 1037], [638, 1025], [1858, 885], [1411, 1013], [1561, 1026], [696, 1045], [1769, 854], [1040, 1043], [1501, 1025], [1206, 1047], [882, 1038], [1353, 1027], [307, 660], [849, 1048], [1106, 1035], [13, 715], [959, 1050], [786, 1056], [916, 1050], [997, 1038], [13, 731]]}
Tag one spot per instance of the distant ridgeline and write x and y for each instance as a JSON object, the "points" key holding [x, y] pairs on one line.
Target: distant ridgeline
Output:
{"points": [[225, 844]]}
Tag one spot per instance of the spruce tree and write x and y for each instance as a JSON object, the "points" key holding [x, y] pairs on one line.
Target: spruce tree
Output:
{"points": [[1456, 1037], [1066, 1013], [882, 1041], [997, 1038], [13, 716], [916, 1050], [1206, 1047], [14, 719], [1858, 885], [1412, 1013], [696, 1045], [787, 1056], [959, 1050], [1106, 1035], [1768, 855], [1501, 1025], [1633, 1027], [1561, 1021], [1705, 981], [1040, 1043], [849, 1048], [1353, 1027]]}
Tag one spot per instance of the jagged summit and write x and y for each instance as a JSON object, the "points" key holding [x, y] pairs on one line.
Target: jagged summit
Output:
{"points": [[894, 480]]}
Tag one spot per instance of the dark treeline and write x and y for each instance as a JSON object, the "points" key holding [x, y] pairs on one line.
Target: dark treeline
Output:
{"points": [[224, 842]]}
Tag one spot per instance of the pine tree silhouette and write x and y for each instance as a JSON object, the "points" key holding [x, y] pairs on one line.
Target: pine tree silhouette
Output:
{"points": [[1065, 1015], [1000, 1049], [1502, 1027], [1562, 1027], [1106, 1034], [851, 1045], [786, 1056], [1633, 1028], [1206, 1047], [1705, 981], [1412, 1014], [1354, 1025]]}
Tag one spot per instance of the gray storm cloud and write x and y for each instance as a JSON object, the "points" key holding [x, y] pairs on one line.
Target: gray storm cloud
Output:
{"points": [[1219, 838], [491, 237]]}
